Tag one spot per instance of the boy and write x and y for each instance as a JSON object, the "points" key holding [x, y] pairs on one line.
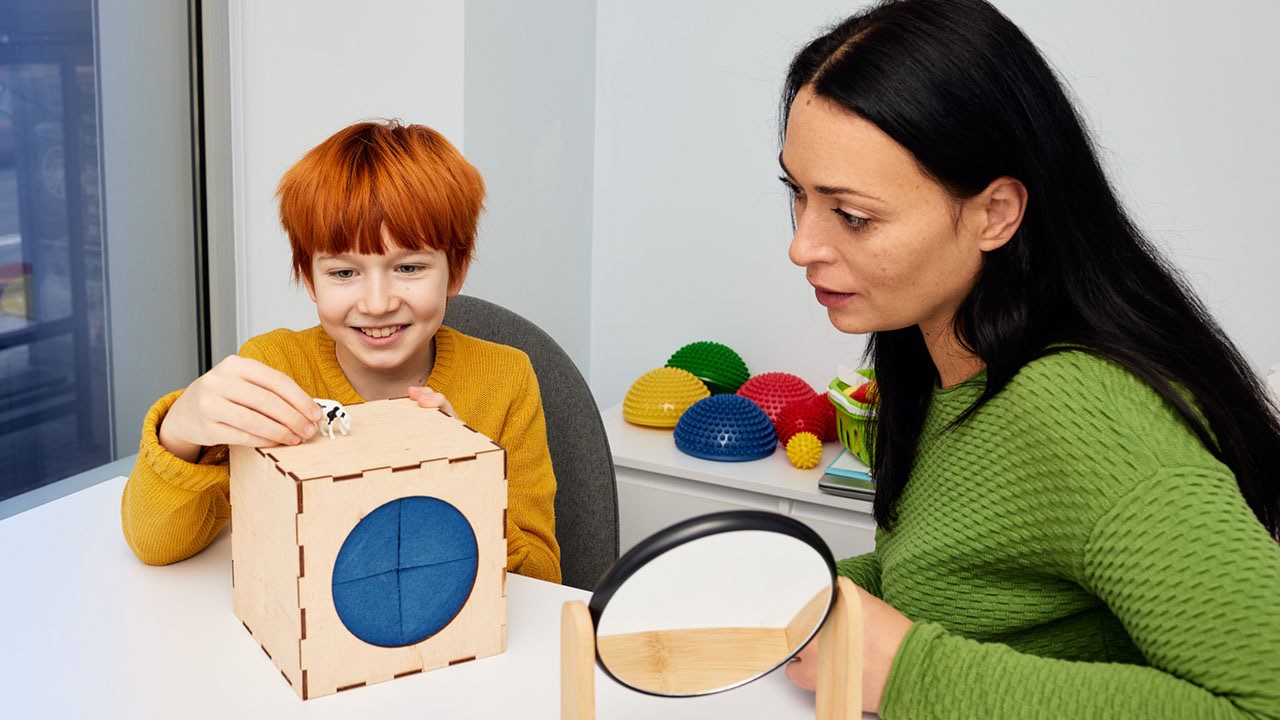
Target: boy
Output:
{"points": [[382, 220]]}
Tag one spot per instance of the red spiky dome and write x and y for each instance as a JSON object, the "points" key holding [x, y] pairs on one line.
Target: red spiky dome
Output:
{"points": [[774, 391], [815, 415]]}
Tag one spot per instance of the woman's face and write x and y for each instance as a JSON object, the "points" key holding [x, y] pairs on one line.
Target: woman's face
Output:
{"points": [[884, 246]]}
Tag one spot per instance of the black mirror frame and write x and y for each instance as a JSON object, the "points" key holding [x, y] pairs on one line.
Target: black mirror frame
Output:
{"points": [[686, 531]]}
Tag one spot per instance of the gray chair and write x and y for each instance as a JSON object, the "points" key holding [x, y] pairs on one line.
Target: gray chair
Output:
{"points": [[586, 493]]}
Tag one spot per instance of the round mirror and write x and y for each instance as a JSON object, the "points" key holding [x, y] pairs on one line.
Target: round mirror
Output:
{"points": [[712, 603]]}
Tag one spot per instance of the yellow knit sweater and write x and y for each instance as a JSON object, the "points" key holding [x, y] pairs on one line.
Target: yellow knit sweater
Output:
{"points": [[173, 509]]}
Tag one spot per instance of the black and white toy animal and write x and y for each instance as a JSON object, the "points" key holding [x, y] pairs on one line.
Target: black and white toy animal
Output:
{"points": [[333, 413]]}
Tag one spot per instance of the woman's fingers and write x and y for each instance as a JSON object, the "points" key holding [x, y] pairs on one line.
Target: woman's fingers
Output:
{"points": [[803, 668]]}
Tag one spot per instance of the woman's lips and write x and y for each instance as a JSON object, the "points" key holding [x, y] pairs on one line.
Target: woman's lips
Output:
{"points": [[827, 298]]}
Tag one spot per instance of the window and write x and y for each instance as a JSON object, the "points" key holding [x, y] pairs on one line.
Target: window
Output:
{"points": [[64, 377]]}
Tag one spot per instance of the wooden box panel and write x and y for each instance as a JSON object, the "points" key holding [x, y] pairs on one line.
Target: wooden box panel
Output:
{"points": [[290, 520]]}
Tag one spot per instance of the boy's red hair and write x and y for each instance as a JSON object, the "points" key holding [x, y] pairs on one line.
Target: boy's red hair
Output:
{"points": [[337, 198]]}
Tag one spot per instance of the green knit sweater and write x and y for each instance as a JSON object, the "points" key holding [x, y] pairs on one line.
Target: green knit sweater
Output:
{"points": [[1073, 551]]}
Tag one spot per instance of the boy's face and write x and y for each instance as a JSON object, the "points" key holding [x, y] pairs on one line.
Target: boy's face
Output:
{"points": [[382, 310]]}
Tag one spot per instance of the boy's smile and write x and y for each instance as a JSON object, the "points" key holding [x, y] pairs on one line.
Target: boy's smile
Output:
{"points": [[378, 335], [382, 312]]}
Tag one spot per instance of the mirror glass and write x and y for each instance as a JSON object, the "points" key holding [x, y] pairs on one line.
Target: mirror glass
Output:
{"points": [[712, 603]]}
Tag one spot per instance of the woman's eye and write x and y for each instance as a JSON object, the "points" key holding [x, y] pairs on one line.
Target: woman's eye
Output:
{"points": [[853, 221], [796, 192], [345, 274]]}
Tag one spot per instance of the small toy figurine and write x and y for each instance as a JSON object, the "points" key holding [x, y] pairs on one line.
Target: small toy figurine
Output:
{"points": [[333, 411]]}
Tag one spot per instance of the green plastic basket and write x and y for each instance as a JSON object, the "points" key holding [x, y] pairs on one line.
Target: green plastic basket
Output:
{"points": [[852, 417]]}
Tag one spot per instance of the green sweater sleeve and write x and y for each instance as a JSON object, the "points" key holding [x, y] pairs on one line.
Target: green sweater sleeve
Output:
{"points": [[863, 570], [1195, 580]]}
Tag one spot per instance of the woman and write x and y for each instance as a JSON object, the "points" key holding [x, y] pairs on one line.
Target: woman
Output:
{"points": [[1078, 475]]}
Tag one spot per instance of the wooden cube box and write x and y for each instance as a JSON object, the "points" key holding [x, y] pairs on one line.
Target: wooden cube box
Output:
{"points": [[387, 511]]}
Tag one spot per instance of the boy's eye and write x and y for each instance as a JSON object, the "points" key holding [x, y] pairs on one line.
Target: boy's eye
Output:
{"points": [[408, 269], [343, 274]]}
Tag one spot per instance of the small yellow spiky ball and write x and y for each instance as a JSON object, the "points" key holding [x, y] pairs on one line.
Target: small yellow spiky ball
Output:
{"points": [[804, 450]]}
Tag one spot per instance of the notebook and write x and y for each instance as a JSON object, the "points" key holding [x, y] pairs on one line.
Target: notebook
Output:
{"points": [[849, 477]]}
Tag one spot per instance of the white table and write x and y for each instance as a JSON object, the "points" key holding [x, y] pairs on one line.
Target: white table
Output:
{"points": [[86, 630]]}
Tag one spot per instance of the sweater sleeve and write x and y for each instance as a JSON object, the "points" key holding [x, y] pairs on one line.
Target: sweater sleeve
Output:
{"points": [[863, 570], [532, 549], [172, 509], [1191, 574]]}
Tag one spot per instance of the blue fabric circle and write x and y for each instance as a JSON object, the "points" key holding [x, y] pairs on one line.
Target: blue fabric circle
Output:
{"points": [[405, 571]]}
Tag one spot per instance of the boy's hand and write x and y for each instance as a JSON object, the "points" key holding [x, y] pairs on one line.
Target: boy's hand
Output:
{"points": [[239, 402], [428, 398]]}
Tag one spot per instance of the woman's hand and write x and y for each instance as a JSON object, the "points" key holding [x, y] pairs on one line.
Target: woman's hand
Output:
{"points": [[883, 629], [428, 398], [239, 402]]}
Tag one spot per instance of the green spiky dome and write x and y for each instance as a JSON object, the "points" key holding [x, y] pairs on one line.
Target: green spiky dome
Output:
{"points": [[717, 365]]}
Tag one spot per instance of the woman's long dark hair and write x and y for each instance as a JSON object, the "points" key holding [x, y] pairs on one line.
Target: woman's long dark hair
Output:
{"points": [[968, 95]]}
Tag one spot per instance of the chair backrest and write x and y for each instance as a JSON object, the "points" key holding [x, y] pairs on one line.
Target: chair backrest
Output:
{"points": [[586, 493]]}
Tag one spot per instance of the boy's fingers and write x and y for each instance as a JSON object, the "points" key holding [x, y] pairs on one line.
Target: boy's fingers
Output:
{"points": [[284, 386], [250, 422], [240, 437], [272, 406]]}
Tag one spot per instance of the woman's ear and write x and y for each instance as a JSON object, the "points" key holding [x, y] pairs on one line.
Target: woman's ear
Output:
{"points": [[1000, 208]]}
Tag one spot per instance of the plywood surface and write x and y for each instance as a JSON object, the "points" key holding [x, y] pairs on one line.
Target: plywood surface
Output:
{"points": [[335, 659], [264, 558], [406, 435]]}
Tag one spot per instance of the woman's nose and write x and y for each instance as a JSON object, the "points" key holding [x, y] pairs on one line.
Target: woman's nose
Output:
{"points": [[807, 246]]}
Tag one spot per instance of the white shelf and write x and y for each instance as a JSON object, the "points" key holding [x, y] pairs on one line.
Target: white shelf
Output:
{"points": [[654, 450]]}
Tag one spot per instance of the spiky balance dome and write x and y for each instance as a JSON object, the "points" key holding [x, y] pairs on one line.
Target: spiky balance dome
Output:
{"points": [[816, 415], [804, 450], [775, 390], [727, 427], [717, 365], [659, 397]]}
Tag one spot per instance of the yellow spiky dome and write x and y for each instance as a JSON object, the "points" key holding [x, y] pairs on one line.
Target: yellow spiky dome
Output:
{"points": [[804, 450], [659, 397]]}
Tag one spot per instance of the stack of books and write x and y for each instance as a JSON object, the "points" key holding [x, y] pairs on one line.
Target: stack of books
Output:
{"points": [[848, 476]]}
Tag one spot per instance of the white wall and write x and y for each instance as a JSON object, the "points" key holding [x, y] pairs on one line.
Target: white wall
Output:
{"points": [[691, 223], [1183, 99], [646, 214], [529, 118], [146, 176], [300, 71], [691, 228]]}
